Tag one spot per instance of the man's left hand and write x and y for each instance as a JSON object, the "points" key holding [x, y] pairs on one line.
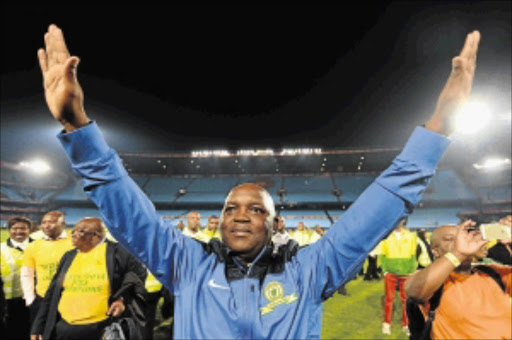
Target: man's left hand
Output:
{"points": [[458, 87]]}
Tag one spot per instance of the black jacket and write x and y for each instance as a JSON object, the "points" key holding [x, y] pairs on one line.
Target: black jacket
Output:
{"points": [[126, 275], [500, 253]]}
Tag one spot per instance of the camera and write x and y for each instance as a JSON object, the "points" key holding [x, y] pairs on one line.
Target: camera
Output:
{"points": [[495, 231]]}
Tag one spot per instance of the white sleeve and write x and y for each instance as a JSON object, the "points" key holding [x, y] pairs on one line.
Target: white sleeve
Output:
{"points": [[27, 284]]}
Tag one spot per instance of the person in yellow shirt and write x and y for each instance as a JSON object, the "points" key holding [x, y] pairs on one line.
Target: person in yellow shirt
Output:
{"points": [[399, 251], [41, 258], [425, 256], [93, 282], [317, 233], [212, 229], [301, 235], [17, 317], [193, 228]]}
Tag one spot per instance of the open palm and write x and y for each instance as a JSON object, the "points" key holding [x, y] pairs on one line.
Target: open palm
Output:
{"points": [[63, 93], [458, 87]]}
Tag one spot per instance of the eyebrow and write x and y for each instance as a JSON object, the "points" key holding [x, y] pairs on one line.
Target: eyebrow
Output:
{"points": [[251, 204]]}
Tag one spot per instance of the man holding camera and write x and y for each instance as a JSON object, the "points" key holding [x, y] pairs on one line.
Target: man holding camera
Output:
{"points": [[473, 304]]}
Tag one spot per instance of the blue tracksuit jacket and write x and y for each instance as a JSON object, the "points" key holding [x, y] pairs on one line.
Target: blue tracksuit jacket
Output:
{"points": [[217, 296]]}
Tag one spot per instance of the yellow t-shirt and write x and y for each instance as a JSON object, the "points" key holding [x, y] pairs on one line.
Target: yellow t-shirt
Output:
{"points": [[199, 235], [44, 257], [84, 299], [301, 236], [210, 234]]}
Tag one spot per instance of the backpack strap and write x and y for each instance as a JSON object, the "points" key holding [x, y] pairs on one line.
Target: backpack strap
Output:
{"points": [[419, 324], [492, 273], [433, 304], [436, 299], [131, 327]]}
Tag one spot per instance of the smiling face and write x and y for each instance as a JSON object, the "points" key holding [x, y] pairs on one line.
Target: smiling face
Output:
{"points": [[247, 220], [19, 229]]}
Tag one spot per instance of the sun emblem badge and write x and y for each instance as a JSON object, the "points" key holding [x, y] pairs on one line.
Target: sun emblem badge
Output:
{"points": [[274, 293]]}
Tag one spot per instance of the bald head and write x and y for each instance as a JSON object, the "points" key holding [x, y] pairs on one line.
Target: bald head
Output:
{"points": [[193, 221], [442, 239]]}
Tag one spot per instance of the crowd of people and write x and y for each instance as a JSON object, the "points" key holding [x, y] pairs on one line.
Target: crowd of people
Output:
{"points": [[36, 260], [241, 285], [103, 278], [407, 251]]}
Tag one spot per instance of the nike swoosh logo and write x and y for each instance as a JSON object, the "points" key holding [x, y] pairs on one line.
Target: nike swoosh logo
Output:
{"points": [[212, 284]]}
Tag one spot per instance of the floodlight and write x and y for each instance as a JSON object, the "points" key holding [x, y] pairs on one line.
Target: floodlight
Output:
{"points": [[492, 163], [472, 117], [36, 166]]}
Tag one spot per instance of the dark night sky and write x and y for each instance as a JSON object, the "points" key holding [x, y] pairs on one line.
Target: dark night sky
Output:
{"points": [[180, 77]]}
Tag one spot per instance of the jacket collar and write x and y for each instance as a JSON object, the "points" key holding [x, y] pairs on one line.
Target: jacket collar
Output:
{"points": [[266, 262], [17, 245], [237, 268]]}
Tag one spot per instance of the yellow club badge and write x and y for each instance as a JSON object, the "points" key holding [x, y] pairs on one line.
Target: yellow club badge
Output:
{"points": [[274, 293]]}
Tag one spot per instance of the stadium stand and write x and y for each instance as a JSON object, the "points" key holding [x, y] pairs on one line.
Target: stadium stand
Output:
{"points": [[302, 189]]}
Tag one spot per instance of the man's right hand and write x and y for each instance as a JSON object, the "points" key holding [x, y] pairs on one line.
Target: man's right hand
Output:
{"points": [[468, 241], [63, 93], [36, 337]]}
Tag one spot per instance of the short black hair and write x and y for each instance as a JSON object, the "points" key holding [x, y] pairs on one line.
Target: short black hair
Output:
{"points": [[17, 219]]}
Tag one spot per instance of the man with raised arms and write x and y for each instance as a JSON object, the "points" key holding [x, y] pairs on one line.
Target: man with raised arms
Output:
{"points": [[237, 287]]}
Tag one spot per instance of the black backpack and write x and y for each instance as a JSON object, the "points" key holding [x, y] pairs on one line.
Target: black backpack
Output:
{"points": [[418, 325], [122, 329]]}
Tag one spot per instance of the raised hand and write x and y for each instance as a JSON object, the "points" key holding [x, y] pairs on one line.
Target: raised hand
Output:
{"points": [[458, 87], [63, 93], [467, 240]]}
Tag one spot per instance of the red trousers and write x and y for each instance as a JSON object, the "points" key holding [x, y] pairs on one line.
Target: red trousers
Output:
{"points": [[390, 282]]}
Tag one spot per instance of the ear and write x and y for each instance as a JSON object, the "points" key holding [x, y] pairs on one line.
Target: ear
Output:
{"points": [[436, 253]]}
